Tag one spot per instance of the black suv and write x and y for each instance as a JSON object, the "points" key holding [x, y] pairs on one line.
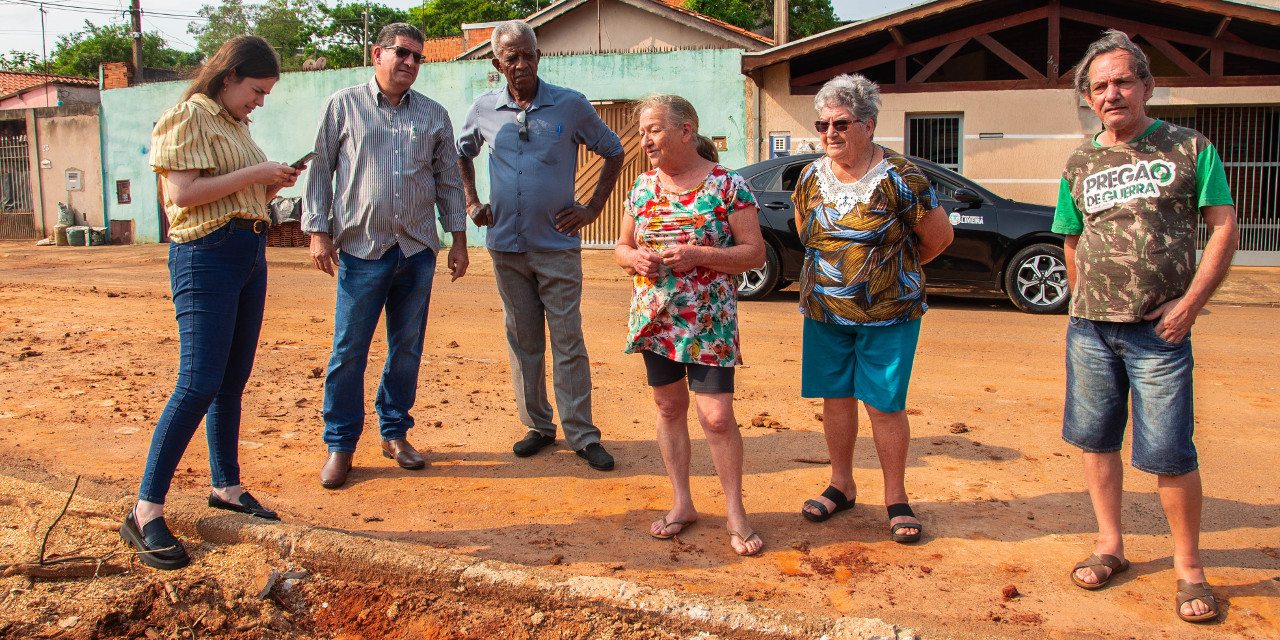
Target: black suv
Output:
{"points": [[1000, 245]]}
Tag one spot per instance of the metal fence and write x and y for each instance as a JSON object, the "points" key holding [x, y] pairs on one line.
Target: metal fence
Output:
{"points": [[1248, 140], [15, 168], [936, 138]]}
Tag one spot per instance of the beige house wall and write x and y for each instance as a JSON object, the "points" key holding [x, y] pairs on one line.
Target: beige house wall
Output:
{"points": [[622, 27], [1039, 127], [69, 142]]}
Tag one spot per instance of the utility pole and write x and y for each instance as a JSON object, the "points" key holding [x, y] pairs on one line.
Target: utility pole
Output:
{"points": [[781, 22], [135, 12], [364, 40], [44, 51]]}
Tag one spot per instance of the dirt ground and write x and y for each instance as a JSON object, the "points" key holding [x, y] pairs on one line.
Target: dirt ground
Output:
{"points": [[88, 352]]}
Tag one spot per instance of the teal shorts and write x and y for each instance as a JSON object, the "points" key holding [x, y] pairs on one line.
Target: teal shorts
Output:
{"points": [[872, 364]]}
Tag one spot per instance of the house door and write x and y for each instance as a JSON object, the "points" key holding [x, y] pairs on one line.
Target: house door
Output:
{"points": [[604, 231], [17, 218], [1248, 139]]}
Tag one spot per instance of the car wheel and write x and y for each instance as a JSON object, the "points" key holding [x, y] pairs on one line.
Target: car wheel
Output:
{"points": [[1036, 279], [758, 283]]}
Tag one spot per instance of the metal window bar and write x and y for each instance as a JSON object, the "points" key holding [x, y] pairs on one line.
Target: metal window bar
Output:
{"points": [[935, 138], [1248, 141], [15, 168]]}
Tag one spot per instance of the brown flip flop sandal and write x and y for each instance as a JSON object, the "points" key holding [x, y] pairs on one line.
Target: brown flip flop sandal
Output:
{"points": [[745, 540], [1188, 591], [1093, 563], [667, 536]]}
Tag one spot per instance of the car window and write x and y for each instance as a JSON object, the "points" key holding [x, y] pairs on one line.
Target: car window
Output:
{"points": [[765, 180], [791, 175]]}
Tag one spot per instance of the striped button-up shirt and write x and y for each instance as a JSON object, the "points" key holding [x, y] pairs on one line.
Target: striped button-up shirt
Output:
{"points": [[380, 173], [199, 135]]}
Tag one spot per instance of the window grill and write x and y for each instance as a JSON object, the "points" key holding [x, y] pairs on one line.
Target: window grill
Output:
{"points": [[1248, 140], [15, 168], [935, 138]]}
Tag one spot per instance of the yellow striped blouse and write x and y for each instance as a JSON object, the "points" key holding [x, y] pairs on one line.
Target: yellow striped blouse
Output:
{"points": [[200, 134]]}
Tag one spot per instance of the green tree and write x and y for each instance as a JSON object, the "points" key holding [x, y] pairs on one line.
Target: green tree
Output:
{"points": [[80, 53], [439, 18], [221, 23], [340, 38], [807, 16], [20, 61]]}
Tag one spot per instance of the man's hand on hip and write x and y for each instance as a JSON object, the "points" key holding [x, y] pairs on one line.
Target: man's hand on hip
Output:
{"points": [[458, 261], [574, 218], [323, 255], [481, 214], [1175, 318]]}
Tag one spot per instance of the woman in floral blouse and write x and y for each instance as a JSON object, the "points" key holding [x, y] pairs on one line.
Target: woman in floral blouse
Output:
{"points": [[692, 227], [868, 219]]}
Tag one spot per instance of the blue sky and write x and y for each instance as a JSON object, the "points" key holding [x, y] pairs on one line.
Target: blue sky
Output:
{"points": [[20, 19]]}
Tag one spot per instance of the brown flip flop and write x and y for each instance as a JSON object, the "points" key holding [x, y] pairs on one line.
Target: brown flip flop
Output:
{"points": [[745, 540], [1188, 591], [667, 536], [1093, 563]]}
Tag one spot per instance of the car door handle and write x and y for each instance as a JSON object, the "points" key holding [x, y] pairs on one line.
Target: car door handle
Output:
{"points": [[777, 205]]}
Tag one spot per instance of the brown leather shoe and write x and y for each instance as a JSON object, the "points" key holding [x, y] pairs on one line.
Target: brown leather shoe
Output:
{"points": [[334, 472], [403, 453]]}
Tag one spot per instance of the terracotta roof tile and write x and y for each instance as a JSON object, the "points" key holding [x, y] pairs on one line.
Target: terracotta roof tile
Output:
{"points": [[678, 5], [11, 81]]}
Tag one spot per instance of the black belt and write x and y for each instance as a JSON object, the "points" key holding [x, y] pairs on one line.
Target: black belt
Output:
{"points": [[256, 226]]}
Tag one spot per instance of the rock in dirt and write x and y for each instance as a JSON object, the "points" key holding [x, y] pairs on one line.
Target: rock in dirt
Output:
{"points": [[1009, 592], [264, 580], [68, 622], [536, 619], [959, 427]]}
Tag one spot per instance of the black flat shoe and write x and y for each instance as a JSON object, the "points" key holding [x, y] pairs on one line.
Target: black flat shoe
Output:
{"points": [[597, 458], [247, 505], [532, 443], [158, 547]]}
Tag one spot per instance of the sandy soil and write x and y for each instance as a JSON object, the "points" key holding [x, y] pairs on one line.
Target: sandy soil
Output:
{"points": [[88, 353]]}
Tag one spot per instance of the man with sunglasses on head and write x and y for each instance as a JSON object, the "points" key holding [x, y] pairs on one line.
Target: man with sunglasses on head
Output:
{"points": [[533, 129], [386, 162]]}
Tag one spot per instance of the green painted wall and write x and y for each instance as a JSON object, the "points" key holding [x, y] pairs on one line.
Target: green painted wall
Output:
{"points": [[285, 128]]}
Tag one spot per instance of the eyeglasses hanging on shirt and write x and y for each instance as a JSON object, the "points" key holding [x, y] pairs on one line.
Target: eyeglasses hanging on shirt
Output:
{"points": [[522, 119]]}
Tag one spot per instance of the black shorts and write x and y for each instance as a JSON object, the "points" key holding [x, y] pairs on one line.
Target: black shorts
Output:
{"points": [[703, 378]]}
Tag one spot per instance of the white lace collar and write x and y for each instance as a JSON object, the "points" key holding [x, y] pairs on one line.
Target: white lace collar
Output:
{"points": [[846, 195]]}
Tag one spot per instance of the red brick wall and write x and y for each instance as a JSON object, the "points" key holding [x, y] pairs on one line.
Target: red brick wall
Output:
{"points": [[115, 75]]}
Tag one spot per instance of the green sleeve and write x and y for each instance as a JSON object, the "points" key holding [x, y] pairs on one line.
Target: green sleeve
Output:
{"points": [[1211, 178], [1067, 218]]}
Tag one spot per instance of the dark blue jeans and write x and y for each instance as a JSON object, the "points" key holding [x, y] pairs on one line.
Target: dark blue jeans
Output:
{"points": [[402, 286], [219, 287]]}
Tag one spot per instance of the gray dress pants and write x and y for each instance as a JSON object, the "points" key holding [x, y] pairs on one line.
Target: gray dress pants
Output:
{"points": [[541, 294]]}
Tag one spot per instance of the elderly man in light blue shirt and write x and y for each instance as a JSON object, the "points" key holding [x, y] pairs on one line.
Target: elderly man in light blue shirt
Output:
{"points": [[533, 130]]}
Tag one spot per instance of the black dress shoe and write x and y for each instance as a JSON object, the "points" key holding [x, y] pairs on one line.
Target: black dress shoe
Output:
{"points": [[597, 458], [158, 546], [248, 504], [532, 443]]}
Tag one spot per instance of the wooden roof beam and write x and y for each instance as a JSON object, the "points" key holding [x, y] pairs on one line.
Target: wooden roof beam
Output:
{"points": [[894, 51], [937, 62], [1171, 52], [1131, 27], [898, 37], [1010, 57]]}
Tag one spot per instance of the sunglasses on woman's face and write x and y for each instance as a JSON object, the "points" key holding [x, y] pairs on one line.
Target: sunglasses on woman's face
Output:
{"points": [[401, 52], [840, 125]]}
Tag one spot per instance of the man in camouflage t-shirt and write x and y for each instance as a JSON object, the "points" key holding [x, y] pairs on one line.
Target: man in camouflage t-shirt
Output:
{"points": [[1128, 206]]}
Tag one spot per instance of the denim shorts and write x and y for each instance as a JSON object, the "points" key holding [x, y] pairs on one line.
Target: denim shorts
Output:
{"points": [[703, 378], [870, 363], [1109, 361]]}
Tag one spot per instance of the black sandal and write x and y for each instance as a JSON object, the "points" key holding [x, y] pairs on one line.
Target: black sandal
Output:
{"points": [[897, 511], [834, 495]]}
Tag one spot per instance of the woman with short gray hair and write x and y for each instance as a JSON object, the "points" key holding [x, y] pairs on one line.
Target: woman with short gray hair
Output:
{"points": [[868, 220]]}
